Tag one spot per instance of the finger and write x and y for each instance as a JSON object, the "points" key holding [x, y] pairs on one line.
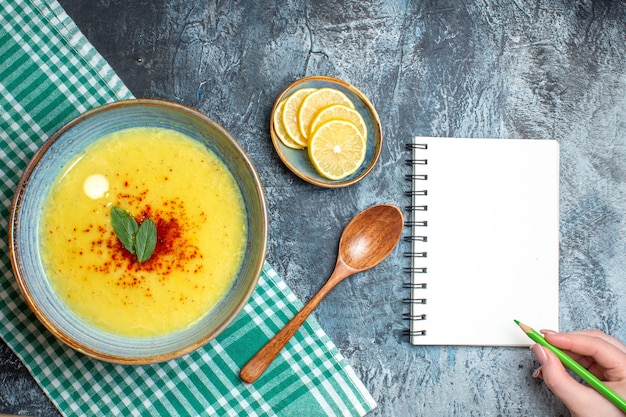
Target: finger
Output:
{"points": [[593, 333], [601, 335], [610, 361], [573, 394], [585, 361]]}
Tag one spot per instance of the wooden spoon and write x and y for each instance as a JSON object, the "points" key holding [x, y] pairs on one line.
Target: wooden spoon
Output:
{"points": [[366, 241]]}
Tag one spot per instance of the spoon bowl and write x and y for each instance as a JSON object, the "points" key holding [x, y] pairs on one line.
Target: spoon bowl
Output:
{"points": [[365, 242], [371, 236]]}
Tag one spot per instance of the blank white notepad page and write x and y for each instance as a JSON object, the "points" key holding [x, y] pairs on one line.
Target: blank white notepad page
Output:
{"points": [[491, 249]]}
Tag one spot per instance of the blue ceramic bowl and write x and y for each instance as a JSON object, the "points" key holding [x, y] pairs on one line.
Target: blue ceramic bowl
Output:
{"points": [[297, 160], [32, 191]]}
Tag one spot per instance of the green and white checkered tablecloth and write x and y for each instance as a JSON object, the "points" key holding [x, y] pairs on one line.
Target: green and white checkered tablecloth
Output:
{"points": [[49, 73]]}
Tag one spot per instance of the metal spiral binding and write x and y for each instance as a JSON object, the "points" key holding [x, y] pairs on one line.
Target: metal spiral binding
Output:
{"points": [[411, 270], [414, 300], [417, 317], [420, 285], [420, 223], [412, 162], [415, 254], [416, 177], [407, 332], [416, 208], [418, 190]]}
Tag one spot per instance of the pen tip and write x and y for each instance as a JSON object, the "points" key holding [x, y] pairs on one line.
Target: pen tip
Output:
{"points": [[516, 322]]}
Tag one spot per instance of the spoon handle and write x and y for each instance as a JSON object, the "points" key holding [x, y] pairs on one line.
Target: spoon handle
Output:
{"points": [[264, 357]]}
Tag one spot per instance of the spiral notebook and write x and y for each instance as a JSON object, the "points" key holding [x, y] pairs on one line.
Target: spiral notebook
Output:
{"points": [[484, 221]]}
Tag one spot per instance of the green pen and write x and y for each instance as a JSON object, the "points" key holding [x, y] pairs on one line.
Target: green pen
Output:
{"points": [[577, 368]]}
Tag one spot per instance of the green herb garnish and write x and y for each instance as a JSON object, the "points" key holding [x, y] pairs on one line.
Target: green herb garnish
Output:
{"points": [[125, 228], [138, 240], [145, 240]]}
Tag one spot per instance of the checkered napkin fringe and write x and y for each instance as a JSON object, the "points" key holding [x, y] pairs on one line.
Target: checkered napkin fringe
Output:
{"points": [[49, 73]]}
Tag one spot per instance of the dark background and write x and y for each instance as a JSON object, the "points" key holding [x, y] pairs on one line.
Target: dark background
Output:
{"points": [[522, 68]]}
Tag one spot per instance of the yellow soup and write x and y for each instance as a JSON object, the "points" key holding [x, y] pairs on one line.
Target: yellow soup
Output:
{"points": [[199, 215]]}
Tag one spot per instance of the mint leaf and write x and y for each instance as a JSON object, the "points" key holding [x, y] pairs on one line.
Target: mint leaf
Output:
{"points": [[138, 240], [125, 228], [145, 240]]}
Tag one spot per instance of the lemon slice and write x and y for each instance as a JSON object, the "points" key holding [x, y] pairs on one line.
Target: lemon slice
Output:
{"points": [[316, 101], [279, 128], [290, 115], [337, 149], [339, 111]]}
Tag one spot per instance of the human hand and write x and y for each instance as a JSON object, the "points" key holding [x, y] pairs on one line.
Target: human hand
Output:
{"points": [[603, 355]]}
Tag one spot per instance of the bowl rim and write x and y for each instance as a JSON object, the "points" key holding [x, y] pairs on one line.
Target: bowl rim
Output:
{"points": [[14, 216], [370, 107]]}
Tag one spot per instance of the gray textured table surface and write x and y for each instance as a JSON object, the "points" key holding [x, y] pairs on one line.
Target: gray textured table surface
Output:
{"points": [[529, 69]]}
